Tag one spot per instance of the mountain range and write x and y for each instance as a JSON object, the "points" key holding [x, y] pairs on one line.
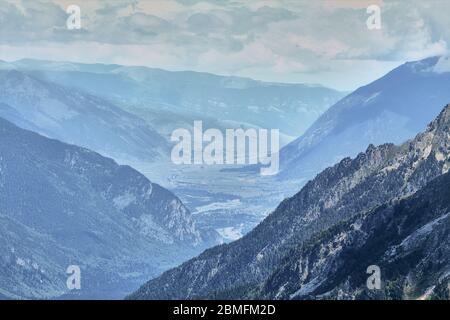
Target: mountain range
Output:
{"points": [[64, 205], [129, 113], [170, 100], [324, 235], [393, 108], [77, 117]]}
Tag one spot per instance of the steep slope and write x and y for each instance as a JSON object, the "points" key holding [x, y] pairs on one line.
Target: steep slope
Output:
{"points": [[393, 108], [408, 240], [62, 205], [338, 193], [169, 100], [76, 117]]}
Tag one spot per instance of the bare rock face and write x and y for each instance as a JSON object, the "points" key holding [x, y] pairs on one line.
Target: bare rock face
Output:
{"points": [[407, 239]]}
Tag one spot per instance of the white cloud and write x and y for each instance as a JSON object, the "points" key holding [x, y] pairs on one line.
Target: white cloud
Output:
{"points": [[443, 65], [283, 40]]}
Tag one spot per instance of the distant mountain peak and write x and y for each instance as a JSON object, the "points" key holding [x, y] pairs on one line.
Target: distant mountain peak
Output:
{"points": [[393, 109], [425, 65]]}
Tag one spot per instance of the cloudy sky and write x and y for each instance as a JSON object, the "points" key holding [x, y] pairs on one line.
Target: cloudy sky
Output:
{"points": [[321, 42]]}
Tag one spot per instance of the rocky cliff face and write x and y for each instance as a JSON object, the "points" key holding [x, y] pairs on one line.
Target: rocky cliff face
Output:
{"points": [[62, 205], [409, 240], [350, 188]]}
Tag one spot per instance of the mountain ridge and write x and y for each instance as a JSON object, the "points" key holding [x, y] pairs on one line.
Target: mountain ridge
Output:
{"points": [[407, 239], [155, 94], [76, 117], [393, 108], [338, 193], [64, 205]]}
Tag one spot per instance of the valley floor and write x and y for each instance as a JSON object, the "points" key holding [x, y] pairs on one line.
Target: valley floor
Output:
{"points": [[231, 202]]}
